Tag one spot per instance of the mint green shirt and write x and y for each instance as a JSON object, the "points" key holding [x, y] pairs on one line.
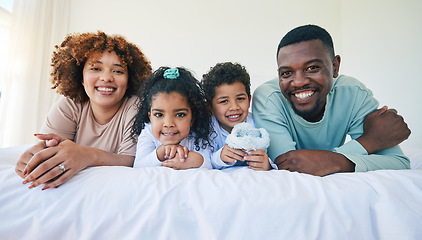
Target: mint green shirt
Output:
{"points": [[348, 102]]}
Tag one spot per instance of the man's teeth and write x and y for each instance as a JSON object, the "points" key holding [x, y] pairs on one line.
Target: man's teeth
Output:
{"points": [[104, 89], [234, 116], [303, 95]]}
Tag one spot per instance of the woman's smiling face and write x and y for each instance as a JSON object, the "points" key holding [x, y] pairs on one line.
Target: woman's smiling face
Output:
{"points": [[105, 81]]}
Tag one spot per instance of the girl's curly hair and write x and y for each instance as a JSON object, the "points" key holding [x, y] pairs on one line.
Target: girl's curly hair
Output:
{"points": [[187, 85], [70, 57], [225, 73]]}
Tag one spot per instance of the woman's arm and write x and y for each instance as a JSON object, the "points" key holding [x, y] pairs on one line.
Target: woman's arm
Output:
{"points": [[65, 160]]}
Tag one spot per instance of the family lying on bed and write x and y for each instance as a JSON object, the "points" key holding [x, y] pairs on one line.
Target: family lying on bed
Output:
{"points": [[176, 121]]}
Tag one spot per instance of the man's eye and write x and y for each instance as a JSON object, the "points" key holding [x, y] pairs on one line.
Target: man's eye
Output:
{"points": [[312, 68], [285, 74]]}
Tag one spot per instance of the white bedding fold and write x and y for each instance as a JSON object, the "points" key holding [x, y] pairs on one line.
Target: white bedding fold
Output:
{"points": [[161, 203]]}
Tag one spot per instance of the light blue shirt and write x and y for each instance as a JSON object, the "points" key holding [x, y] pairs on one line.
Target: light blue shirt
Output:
{"points": [[348, 102]]}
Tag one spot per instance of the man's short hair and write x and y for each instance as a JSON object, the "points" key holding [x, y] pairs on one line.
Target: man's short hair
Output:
{"points": [[307, 33]]}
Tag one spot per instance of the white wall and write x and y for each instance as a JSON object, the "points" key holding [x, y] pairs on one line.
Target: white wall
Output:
{"points": [[378, 40]]}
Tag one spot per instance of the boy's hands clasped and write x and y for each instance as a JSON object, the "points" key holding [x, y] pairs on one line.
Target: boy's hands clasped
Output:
{"points": [[256, 159]]}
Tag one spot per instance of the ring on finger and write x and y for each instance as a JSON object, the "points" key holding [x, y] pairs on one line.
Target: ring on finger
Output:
{"points": [[61, 166]]}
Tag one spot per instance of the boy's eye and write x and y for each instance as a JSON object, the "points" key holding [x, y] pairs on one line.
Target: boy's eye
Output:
{"points": [[241, 98]]}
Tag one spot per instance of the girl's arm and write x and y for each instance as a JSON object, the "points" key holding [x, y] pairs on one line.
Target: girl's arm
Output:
{"points": [[193, 160]]}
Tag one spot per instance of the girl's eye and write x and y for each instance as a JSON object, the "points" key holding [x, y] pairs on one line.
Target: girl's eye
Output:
{"points": [[180, 114], [223, 101], [95, 69], [158, 115], [118, 72]]}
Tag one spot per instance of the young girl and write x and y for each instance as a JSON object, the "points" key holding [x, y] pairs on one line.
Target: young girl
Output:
{"points": [[173, 122]]}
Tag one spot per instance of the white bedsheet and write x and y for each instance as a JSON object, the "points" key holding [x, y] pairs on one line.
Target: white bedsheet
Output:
{"points": [[161, 203]]}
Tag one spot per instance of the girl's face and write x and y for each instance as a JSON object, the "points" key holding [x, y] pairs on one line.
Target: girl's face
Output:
{"points": [[171, 117], [105, 82]]}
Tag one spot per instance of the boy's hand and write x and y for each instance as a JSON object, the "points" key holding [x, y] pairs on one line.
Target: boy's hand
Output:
{"points": [[231, 155], [258, 160], [165, 152], [194, 160]]}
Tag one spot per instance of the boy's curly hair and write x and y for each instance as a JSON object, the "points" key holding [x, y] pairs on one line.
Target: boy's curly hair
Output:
{"points": [[70, 57], [187, 85], [224, 73]]}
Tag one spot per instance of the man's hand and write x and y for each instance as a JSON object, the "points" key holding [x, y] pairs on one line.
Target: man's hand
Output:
{"points": [[315, 162], [382, 129]]}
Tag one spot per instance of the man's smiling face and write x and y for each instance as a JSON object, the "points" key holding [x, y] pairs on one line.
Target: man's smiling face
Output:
{"points": [[306, 73]]}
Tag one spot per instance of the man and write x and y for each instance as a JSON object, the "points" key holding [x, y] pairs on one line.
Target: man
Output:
{"points": [[310, 109]]}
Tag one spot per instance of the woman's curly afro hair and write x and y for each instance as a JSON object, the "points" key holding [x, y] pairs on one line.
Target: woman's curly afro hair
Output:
{"points": [[186, 85], [70, 57]]}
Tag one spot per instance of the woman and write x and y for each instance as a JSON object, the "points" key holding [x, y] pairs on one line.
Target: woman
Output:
{"points": [[99, 76]]}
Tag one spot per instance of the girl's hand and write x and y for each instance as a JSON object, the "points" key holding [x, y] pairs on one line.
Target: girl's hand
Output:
{"points": [[165, 152], [258, 160], [231, 155], [193, 160]]}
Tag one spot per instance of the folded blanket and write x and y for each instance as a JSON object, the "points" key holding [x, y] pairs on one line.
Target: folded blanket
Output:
{"points": [[247, 137]]}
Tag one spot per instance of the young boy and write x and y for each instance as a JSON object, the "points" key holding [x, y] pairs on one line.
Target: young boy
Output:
{"points": [[227, 89]]}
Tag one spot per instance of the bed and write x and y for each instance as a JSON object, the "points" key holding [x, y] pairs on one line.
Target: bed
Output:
{"points": [[161, 203]]}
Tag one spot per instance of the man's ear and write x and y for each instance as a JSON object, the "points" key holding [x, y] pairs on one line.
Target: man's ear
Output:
{"points": [[336, 66]]}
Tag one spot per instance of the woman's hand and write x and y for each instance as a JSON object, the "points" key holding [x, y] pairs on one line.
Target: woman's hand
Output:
{"points": [[29, 153], [55, 165]]}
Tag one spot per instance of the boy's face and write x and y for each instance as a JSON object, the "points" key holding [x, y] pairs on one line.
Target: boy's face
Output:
{"points": [[230, 104]]}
